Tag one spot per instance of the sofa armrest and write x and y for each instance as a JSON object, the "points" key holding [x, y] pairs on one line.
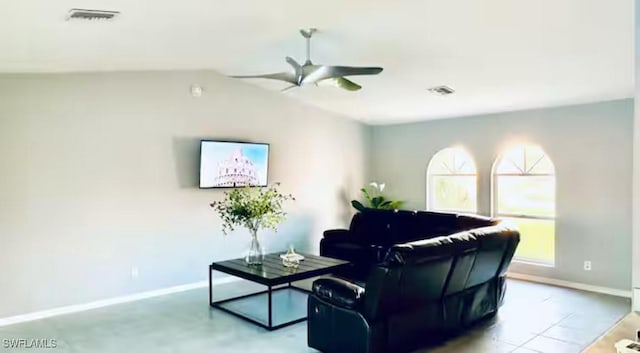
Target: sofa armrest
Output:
{"points": [[339, 292], [336, 235]]}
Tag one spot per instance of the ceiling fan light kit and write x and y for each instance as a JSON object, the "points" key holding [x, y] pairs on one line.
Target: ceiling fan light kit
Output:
{"points": [[310, 73]]}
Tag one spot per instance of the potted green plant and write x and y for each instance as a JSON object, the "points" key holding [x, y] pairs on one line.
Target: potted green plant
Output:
{"points": [[253, 208], [373, 198]]}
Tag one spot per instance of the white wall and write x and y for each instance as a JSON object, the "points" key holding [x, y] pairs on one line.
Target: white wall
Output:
{"points": [[99, 173], [591, 146]]}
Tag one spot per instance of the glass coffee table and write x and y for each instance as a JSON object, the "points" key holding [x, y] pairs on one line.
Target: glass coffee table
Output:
{"points": [[288, 301]]}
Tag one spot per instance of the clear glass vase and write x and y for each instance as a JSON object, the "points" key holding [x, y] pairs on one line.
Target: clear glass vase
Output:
{"points": [[255, 254]]}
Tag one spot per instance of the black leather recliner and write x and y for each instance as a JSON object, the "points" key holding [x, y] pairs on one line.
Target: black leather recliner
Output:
{"points": [[406, 293]]}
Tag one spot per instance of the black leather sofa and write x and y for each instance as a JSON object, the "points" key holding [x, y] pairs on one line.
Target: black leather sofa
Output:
{"points": [[418, 276]]}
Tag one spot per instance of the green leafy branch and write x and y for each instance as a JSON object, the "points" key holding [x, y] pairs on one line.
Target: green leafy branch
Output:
{"points": [[252, 207], [373, 198]]}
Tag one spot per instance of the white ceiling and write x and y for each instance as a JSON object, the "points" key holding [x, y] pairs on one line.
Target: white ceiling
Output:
{"points": [[498, 54]]}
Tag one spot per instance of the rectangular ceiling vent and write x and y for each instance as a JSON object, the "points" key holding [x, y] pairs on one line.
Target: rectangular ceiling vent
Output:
{"points": [[83, 14], [442, 90]]}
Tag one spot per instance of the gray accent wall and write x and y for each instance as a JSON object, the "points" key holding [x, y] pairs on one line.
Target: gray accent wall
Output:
{"points": [[591, 146], [99, 174]]}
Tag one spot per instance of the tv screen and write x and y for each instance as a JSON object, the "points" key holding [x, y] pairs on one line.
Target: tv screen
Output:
{"points": [[232, 164]]}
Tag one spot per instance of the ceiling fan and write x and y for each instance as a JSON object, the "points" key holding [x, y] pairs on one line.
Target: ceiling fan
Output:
{"points": [[310, 73]]}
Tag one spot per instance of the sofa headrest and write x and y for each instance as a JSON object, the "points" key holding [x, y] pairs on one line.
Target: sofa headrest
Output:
{"points": [[470, 221], [495, 236], [373, 226], [431, 249]]}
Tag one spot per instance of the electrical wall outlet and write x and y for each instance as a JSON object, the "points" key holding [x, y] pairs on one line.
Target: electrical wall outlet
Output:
{"points": [[587, 265], [135, 272]]}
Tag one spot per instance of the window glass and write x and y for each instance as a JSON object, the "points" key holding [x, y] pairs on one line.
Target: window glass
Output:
{"points": [[524, 190], [452, 182]]}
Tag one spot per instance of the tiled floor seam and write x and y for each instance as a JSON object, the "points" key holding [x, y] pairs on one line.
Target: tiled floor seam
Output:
{"points": [[541, 333], [531, 339], [582, 346]]}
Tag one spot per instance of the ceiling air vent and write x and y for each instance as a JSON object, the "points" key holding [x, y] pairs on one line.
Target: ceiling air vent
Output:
{"points": [[442, 90], [83, 14]]}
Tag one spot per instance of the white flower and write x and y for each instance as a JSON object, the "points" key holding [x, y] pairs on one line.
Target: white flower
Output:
{"points": [[374, 184], [382, 187]]}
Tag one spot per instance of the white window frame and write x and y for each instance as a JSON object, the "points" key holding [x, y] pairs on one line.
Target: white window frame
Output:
{"points": [[495, 198], [429, 194]]}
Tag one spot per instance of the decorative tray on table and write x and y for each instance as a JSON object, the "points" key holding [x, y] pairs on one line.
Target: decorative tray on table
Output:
{"points": [[294, 257], [291, 259]]}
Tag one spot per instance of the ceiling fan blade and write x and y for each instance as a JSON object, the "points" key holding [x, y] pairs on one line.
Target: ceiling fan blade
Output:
{"points": [[354, 70], [280, 76], [323, 72], [296, 67], [289, 87], [291, 61], [347, 84]]}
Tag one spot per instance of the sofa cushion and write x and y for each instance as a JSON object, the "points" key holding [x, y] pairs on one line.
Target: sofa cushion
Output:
{"points": [[423, 250], [471, 221], [373, 227], [417, 273], [388, 227], [492, 247], [337, 235], [417, 225], [339, 292], [356, 252]]}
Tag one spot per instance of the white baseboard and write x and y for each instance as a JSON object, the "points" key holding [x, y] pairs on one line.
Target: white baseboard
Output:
{"points": [[203, 284], [636, 299], [108, 302], [567, 284]]}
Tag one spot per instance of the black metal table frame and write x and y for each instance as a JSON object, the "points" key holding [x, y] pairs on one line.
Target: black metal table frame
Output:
{"points": [[270, 289]]}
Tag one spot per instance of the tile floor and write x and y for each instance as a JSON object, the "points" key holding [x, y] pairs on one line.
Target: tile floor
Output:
{"points": [[541, 318], [535, 318], [625, 329]]}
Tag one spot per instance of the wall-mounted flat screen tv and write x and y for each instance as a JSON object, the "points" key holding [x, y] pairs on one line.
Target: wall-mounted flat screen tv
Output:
{"points": [[233, 164]]}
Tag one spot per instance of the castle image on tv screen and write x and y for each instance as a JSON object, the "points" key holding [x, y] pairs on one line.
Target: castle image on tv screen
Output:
{"points": [[233, 164]]}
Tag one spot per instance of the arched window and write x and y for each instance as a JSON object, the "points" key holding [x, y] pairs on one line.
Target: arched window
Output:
{"points": [[524, 190], [452, 181]]}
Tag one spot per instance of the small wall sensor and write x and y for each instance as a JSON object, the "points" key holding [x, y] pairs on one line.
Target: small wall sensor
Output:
{"points": [[196, 90]]}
